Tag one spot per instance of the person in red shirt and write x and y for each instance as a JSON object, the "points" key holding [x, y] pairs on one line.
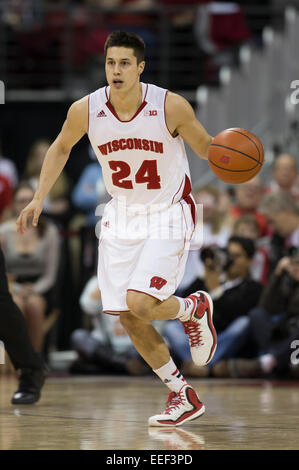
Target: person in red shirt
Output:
{"points": [[6, 195], [248, 198]]}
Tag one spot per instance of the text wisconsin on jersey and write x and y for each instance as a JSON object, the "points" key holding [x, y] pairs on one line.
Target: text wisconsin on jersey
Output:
{"points": [[130, 144]]}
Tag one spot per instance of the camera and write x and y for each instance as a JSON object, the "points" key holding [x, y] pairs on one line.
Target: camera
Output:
{"points": [[221, 260], [293, 253]]}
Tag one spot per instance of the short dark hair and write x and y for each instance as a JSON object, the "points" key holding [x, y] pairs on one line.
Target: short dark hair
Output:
{"points": [[129, 40], [246, 243]]}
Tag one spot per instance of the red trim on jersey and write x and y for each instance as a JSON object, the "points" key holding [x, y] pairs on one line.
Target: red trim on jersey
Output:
{"points": [[177, 191], [189, 200], [141, 292], [111, 108], [117, 312], [187, 188], [173, 136]]}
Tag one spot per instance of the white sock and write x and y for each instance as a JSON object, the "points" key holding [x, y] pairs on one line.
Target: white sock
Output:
{"points": [[171, 376], [185, 310]]}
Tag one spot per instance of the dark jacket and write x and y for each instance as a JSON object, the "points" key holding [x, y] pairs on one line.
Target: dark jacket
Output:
{"points": [[281, 296], [233, 303]]}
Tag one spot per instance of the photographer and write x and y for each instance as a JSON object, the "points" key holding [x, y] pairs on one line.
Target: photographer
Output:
{"points": [[274, 324], [282, 214], [234, 293]]}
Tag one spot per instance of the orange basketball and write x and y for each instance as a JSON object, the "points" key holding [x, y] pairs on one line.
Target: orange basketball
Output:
{"points": [[236, 155]]}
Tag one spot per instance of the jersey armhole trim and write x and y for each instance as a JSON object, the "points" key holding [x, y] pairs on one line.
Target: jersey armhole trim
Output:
{"points": [[173, 137]]}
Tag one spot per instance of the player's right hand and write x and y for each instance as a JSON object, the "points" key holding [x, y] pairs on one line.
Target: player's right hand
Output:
{"points": [[32, 210]]}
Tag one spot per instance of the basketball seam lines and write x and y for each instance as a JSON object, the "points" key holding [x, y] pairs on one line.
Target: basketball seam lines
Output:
{"points": [[241, 133], [234, 150], [235, 171]]}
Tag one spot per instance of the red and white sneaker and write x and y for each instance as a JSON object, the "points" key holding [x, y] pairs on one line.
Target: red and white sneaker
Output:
{"points": [[180, 408], [200, 329]]}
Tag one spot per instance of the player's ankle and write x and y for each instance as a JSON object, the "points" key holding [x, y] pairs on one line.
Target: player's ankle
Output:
{"points": [[185, 308], [171, 376]]}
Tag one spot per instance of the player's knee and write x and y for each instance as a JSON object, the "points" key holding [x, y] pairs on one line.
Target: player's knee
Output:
{"points": [[127, 320], [141, 305]]}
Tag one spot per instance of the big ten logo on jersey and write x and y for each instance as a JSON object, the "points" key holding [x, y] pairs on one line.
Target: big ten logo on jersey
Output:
{"points": [[150, 112]]}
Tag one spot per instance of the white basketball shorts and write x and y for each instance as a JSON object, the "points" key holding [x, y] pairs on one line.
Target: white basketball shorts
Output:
{"points": [[143, 252]]}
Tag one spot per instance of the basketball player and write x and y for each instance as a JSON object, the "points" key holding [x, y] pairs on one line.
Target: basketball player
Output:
{"points": [[13, 333], [137, 132]]}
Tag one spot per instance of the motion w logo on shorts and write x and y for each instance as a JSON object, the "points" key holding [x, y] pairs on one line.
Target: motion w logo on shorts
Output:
{"points": [[157, 282]]}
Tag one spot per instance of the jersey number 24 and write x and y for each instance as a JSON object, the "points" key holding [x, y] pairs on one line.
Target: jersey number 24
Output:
{"points": [[147, 173]]}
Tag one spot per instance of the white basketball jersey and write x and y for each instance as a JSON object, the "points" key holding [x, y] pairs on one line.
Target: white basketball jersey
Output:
{"points": [[142, 163]]}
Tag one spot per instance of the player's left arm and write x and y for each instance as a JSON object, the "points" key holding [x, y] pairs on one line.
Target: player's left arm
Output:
{"points": [[181, 120]]}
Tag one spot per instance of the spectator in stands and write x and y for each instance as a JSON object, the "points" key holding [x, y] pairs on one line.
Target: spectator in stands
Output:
{"points": [[274, 325], [221, 25], [8, 169], [56, 205], [184, 55], [107, 348], [31, 263], [6, 195], [89, 192], [220, 28], [234, 293], [248, 198], [285, 173], [215, 231], [295, 189], [8, 181], [282, 214], [247, 226]]}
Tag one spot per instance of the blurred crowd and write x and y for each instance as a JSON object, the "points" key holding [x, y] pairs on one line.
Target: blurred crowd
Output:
{"points": [[50, 38], [248, 262], [249, 259]]}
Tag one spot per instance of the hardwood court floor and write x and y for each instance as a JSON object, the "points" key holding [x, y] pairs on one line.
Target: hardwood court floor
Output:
{"points": [[111, 413]]}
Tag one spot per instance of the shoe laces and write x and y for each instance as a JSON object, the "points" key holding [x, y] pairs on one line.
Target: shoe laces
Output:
{"points": [[193, 331], [175, 400], [171, 396]]}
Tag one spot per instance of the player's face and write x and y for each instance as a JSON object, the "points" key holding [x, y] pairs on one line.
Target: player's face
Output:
{"points": [[122, 70]]}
